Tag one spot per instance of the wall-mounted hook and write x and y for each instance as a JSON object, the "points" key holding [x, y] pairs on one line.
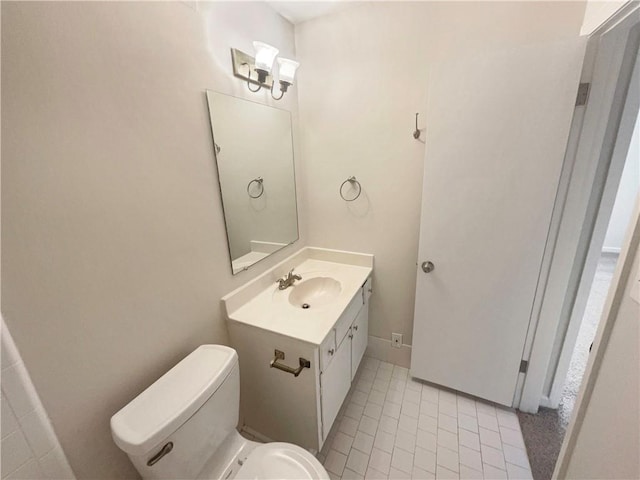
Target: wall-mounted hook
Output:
{"points": [[416, 134]]}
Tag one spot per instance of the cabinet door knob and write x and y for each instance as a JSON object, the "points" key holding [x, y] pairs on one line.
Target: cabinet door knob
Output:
{"points": [[331, 351], [355, 327], [350, 335]]}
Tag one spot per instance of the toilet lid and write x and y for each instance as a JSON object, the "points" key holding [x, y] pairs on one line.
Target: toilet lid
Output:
{"points": [[283, 461]]}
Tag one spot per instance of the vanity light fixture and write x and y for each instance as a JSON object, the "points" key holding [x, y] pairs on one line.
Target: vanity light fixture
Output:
{"points": [[265, 55], [257, 70], [286, 73]]}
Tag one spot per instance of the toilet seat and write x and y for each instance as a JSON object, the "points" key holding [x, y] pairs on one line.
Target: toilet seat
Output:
{"points": [[282, 461]]}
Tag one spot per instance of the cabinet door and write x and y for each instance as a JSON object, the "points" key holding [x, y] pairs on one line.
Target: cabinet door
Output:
{"points": [[335, 384], [360, 333]]}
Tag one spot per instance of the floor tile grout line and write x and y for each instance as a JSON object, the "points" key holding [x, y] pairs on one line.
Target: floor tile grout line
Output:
{"points": [[402, 384]]}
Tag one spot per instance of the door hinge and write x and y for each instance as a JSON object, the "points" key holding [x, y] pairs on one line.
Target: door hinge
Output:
{"points": [[524, 365], [583, 94]]}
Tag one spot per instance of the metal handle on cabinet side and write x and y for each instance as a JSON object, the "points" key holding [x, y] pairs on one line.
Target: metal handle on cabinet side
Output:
{"points": [[156, 458], [355, 327], [331, 351], [279, 355]]}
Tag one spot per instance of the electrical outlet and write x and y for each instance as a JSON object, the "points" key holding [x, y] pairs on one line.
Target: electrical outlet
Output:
{"points": [[396, 340]]}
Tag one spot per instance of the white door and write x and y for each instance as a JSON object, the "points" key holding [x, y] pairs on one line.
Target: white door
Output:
{"points": [[497, 126]]}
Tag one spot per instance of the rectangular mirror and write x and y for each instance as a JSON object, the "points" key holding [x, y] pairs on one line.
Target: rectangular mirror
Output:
{"points": [[253, 149]]}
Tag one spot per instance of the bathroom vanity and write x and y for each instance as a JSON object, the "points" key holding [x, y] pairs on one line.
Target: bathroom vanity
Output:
{"points": [[300, 347]]}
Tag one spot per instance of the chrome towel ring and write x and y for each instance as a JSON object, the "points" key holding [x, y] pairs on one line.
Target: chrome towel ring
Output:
{"points": [[351, 180], [259, 181]]}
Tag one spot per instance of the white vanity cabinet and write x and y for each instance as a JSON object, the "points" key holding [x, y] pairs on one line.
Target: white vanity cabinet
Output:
{"points": [[341, 354], [299, 347], [279, 406]]}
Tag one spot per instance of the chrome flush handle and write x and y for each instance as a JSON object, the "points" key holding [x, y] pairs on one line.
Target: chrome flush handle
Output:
{"points": [[156, 458]]}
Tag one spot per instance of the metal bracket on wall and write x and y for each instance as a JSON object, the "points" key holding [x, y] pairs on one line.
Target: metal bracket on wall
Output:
{"points": [[244, 67]]}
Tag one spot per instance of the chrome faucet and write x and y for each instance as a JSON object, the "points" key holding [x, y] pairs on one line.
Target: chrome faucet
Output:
{"points": [[286, 281]]}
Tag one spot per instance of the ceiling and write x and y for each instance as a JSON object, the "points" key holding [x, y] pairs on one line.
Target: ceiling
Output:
{"points": [[301, 11]]}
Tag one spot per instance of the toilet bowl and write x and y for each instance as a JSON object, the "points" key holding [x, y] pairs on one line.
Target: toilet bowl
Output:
{"points": [[184, 426], [276, 460]]}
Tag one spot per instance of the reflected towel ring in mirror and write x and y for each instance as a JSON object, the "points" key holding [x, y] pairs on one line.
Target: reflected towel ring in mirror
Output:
{"points": [[352, 180], [260, 183]]}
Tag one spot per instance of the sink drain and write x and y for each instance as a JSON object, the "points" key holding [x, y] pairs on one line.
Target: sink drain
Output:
{"points": [[305, 305]]}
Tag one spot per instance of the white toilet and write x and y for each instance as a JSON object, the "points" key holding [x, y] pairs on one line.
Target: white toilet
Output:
{"points": [[184, 427]]}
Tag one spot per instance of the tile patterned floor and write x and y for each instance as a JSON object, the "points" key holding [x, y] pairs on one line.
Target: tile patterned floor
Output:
{"points": [[394, 427]]}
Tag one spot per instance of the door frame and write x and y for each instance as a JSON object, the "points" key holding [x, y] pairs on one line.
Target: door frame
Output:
{"points": [[590, 176], [556, 378], [610, 313]]}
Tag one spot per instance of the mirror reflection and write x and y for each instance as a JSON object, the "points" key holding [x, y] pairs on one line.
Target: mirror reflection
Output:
{"points": [[254, 155]]}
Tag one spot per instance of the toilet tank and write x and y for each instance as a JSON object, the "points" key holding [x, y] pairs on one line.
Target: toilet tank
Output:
{"points": [[188, 412]]}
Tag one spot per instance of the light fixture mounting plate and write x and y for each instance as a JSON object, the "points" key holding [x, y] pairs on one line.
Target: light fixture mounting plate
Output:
{"points": [[243, 63]]}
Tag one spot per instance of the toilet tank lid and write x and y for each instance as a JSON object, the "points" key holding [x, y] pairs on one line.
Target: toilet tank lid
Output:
{"points": [[164, 406]]}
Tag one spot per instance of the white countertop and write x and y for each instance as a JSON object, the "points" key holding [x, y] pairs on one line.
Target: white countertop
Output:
{"points": [[270, 309]]}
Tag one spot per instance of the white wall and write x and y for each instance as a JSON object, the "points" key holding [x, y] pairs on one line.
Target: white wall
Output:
{"points": [[626, 196], [363, 77], [30, 448], [114, 249], [608, 442], [597, 12]]}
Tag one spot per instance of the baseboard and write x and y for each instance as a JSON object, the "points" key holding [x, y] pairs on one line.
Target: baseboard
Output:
{"points": [[381, 349], [545, 402], [255, 434], [251, 434], [611, 250]]}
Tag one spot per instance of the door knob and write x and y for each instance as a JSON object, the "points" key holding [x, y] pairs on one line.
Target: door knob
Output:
{"points": [[428, 267]]}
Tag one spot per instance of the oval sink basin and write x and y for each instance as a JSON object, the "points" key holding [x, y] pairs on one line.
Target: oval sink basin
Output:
{"points": [[315, 292]]}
